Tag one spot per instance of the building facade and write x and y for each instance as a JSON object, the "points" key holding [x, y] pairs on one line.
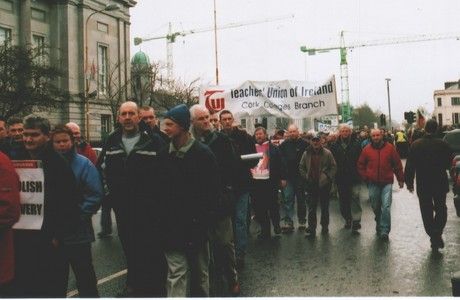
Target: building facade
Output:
{"points": [[90, 42], [447, 104]]}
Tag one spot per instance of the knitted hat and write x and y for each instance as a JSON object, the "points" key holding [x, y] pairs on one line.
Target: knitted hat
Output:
{"points": [[180, 115]]}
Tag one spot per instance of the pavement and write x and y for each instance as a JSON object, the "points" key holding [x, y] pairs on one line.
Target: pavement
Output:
{"points": [[337, 264]]}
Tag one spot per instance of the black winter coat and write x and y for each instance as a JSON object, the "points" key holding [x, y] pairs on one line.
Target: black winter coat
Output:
{"points": [[346, 160], [429, 157], [291, 151], [190, 188]]}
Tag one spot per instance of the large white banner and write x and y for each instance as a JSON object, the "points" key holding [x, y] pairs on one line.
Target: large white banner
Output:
{"points": [[283, 99], [32, 194]]}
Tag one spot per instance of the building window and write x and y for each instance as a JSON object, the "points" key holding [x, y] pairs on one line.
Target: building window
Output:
{"points": [[455, 119], [103, 27], [5, 35], [455, 100], [38, 43], [106, 124], [38, 14], [102, 64], [243, 123], [7, 5], [440, 120], [439, 102]]}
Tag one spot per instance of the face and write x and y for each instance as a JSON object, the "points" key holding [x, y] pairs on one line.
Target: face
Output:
{"points": [[62, 142], [316, 143], [171, 128], [345, 132], [129, 118], [293, 133], [376, 136], [226, 120], [201, 121], [76, 133], [214, 119], [260, 136], [15, 131], [3, 132], [34, 139], [149, 117]]}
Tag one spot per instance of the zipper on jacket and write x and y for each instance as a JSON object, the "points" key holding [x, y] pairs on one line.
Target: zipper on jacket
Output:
{"points": [[378, 169]]}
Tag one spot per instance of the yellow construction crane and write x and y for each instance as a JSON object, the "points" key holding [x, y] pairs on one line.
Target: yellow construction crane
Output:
{"points": [[346, 113], [173, 35]]}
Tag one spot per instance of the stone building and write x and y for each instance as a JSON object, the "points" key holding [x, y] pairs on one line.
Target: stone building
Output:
{"points": [[69, 27], [447, 104]]}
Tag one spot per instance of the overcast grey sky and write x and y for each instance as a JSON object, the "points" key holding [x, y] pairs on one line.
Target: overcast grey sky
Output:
{"points": [[271, 51]]}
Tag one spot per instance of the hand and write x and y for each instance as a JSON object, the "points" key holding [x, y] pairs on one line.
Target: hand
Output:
{"points": [[283, 183], [401, 184], [55, 243]]}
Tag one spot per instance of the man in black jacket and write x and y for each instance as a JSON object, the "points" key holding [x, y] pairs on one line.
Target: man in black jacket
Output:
{"points": [[292, 150], [148, 116], [132, 171], [222, 244], [243, 144], [429, 158], [191, 187], [40, 262], [346, 151], [268, 176]]}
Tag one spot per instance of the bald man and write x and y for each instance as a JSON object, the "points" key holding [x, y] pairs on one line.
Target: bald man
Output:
{"points": [[132, 171], [81, 145], [291, 150]]}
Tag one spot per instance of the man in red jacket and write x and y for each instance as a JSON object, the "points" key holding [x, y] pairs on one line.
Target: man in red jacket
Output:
{"points": [[377, 165], [9, 214]]}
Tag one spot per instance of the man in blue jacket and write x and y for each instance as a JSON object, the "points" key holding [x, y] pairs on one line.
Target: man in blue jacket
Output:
{"points": [[77, 247]]}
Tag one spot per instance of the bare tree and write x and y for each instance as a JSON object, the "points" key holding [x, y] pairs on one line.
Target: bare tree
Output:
{"points": [[116, 88], [28, 81]]}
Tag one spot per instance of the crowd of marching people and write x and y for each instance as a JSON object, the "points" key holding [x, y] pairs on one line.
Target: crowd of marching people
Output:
{"points": [[184, 196]]}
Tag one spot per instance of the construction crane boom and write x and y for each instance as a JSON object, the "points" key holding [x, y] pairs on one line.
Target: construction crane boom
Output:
{"points": [[346, 112], [172, 36]]}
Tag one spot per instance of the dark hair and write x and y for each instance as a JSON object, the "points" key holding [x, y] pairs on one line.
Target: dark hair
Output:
{"points": [[431, 126], [14, 120], [2, 119], [145, 107], [38, 123], [260, 128], [62, 129], [225, 112]]}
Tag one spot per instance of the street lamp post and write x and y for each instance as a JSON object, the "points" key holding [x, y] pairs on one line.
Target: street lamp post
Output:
{"points": [[215, 43], [108, 7], [389, 107]]}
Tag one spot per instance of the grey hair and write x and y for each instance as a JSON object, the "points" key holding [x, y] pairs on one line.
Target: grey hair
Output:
{"points": [[195, 108]]}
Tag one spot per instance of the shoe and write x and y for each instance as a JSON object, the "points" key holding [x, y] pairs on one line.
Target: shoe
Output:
{"points": [[437, 243], [384, 237], [324, 230], [235, 290], [310, 233], [356, 226], [104, 234], [287, 227], [347, 224], [277, 228], [302, 225]]}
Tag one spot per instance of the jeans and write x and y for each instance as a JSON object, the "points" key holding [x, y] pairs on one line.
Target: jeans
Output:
{"points": [[381, 197], [188, 273], [350, 205], [294, 190], [241, 224]]}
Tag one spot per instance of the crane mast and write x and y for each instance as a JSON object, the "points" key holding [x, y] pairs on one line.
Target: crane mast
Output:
{"points": [[343, 47]]}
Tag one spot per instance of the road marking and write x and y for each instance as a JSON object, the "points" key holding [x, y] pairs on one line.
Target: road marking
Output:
{"points": [[100, 281]]}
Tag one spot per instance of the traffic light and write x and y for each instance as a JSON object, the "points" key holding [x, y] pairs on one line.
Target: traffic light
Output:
{"points": [[383, 120], [409, 117]]}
